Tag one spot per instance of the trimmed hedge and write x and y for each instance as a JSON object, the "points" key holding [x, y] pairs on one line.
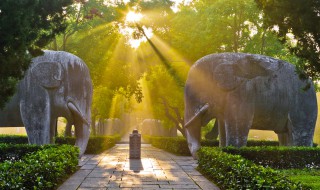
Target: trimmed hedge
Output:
{"points": [[234, 172], [280, 157], [95, 145], [176, 145], [44, 169], [14, 139], [179, 145], [249, 143], [13, 152]]}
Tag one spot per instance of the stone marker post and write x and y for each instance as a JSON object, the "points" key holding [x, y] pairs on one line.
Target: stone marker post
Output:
{"points": [[135, 145]]}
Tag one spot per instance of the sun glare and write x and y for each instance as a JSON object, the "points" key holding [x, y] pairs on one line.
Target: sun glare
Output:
{"points": [[133, 17]]}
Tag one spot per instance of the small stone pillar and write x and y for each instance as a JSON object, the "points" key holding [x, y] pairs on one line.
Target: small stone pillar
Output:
{"points": [[135, 145]]}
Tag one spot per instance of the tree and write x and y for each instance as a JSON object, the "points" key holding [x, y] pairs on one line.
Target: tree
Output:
{"points": [[217, 26], [223, 26], [83, 15], [166, 97], [100, 43], [302, 19], [25, 27]]}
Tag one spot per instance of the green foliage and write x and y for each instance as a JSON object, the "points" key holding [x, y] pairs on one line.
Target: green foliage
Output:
{"points": [[114, 66], [280, 157], [167, 100], [234, 172], [176, 145], [179, 145], [14, 139], [26, 27], [300, 18], [95, 145], [221, 26], [250, 143], [44, 169], [13, 152], [310, 177]]}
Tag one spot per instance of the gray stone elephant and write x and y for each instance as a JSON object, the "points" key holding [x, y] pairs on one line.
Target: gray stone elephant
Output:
{"points": [[57, 84], [246, 91]]}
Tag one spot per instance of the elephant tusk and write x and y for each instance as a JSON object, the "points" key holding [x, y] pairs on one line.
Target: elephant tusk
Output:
{"points": [[202, 110], [74, 109]]}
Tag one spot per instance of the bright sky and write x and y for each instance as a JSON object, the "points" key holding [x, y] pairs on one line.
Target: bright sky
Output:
{"points": [[133, 17]]}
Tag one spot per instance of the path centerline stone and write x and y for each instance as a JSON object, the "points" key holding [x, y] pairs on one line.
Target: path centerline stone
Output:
{"points": [[157, 169]]}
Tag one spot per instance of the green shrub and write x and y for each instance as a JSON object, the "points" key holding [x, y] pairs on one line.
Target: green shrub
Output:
{"points": [[176, 145], [310, 177], [95, 145], [13, 139], [15, 152], [44, 169], [280, 157], [179, 145], [234, 172], [249, 143]]}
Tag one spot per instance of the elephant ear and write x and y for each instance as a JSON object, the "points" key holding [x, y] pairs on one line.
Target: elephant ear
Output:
{"points": [[48, 74], [231, 75]]}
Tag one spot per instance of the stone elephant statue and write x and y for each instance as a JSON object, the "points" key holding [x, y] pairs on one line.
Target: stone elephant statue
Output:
{"points": [[246, 91], [57, 84]]}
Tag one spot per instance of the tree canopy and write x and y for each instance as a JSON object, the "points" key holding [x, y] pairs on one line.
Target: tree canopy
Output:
{"points": [[169, 41], [25, 27], [302, 19]]}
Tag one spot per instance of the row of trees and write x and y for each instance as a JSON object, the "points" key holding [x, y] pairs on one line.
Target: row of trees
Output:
{"points": [[97, 31]]}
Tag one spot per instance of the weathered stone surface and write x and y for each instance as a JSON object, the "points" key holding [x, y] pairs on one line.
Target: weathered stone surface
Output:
{"points": [[57, 84], [245, 91]]}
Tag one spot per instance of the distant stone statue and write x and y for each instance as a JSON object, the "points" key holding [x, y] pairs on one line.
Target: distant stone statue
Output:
{"points": [[155, 127], [110, 126], [245, 91], [57, 84]]}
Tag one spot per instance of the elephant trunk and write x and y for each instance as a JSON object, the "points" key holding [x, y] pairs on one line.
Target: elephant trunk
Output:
{"points": [[82, 131], [82, 126], [193, 129]]}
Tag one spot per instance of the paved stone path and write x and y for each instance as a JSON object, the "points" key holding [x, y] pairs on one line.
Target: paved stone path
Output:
{"points": [[156, 169]]}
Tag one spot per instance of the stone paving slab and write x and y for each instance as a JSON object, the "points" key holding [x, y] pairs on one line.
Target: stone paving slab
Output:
{"points": [[157, 169]]}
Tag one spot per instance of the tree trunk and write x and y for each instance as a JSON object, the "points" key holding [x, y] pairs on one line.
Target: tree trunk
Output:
{"points": [[93, 125]]}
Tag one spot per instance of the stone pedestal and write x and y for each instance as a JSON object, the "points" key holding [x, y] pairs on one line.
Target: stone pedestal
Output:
{"points": [[135, 145]]}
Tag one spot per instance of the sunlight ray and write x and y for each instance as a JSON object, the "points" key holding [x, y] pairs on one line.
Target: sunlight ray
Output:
{"points": [[145, 109]]}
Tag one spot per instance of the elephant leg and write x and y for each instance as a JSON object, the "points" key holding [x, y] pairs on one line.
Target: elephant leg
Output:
{"points": [[53, 129], [304, 117], [68, 129], [238, 119], [285, 139], [222, 133], [56, 129], [213, 134], [237, 133], [35, 114], [302, 131]]}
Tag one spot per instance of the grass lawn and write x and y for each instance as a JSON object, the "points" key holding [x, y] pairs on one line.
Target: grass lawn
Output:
{"points": [[309, 177]]}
